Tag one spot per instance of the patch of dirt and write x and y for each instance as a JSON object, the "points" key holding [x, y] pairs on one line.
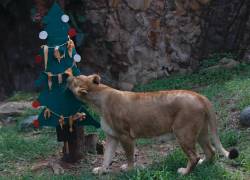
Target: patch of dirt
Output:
{"points": [[234, 122], [144, 156], [234, 114]]}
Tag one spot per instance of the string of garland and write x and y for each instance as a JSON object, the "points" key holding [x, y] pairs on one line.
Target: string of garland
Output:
{"points": [[52, 47], [67, 71], [48, 112], [58, 56], [73, 118]]}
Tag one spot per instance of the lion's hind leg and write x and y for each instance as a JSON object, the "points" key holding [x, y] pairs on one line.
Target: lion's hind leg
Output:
{"points": [[190, 150], [187, 135], [206, 145]]}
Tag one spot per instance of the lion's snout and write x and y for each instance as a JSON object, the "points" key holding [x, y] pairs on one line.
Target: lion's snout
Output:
{"points": [[73, 84], [70, 83], [70, 79]]}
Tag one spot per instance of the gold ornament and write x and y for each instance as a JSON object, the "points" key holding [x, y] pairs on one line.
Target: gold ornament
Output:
{"points": [[45, 52], [49, 80], [61, 121], [59, 78], [70, 47], [80, 116], [71, 121], [69, 72], [57, 54], [47, 113]]}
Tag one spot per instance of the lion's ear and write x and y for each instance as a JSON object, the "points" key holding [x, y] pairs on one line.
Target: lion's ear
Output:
{"points": [[96, 79]]}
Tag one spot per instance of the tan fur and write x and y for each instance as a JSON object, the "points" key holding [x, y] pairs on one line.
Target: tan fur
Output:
{"points": [[127, 116]]}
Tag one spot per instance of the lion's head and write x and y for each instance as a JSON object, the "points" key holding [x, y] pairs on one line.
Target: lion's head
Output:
{"points": [[82, 85]]}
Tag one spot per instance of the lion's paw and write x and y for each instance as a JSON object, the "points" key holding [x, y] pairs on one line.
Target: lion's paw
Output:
{"points": [[124, 167], [100, 170], [182, 171], [201, 160]]}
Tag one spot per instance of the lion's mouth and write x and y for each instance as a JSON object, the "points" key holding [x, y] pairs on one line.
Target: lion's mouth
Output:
{"points": [[70, 81]]}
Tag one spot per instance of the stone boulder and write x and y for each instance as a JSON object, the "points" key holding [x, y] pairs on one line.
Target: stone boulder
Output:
{"points": [[224, 63], [13, 108], [228, 63], [245, 117]]}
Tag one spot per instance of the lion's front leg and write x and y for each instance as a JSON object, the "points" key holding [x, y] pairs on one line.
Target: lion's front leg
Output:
{"points": [[110, 148], [128, 146]]}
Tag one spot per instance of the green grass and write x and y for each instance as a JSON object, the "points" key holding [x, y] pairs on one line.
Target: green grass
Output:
{"points": [[213, 59], [227, 89], [166, 169], [197, 80], [16, 147], [13, 146]]}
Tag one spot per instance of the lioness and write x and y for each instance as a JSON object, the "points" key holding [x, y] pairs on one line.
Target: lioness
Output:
{"points": [[129, 115]]}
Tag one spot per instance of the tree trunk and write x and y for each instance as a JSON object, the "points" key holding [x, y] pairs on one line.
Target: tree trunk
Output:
{"points": [[78, 148], [75, 150]]}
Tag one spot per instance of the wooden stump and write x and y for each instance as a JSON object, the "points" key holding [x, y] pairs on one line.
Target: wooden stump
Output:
{"points": [[76, 151], [79, 147]]}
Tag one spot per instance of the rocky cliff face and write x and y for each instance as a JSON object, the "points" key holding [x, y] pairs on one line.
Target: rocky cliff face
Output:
{"points": [[141, 40], [128, 41]]}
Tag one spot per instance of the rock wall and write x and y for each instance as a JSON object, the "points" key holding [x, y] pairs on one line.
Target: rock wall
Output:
{"points": [[140, 40], [128, 41]]}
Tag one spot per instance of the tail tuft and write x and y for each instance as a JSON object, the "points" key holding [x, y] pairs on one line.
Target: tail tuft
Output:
{"points": [[233, 153]]}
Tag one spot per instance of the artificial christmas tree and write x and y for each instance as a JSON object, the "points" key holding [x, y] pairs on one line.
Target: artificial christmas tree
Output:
{"points": [[60, 108]]}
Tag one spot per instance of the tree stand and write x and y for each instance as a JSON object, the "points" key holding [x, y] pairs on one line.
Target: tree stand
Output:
{"points": [[72, 152], [76, 149]]}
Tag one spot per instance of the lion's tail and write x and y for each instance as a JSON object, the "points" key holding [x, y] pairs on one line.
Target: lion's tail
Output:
{"points": [[233, 153]]}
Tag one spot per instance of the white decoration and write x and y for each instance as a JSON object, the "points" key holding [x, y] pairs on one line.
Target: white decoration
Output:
{"points": [[43, 35], [56, 47], [77, 58], [65, 18]]}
